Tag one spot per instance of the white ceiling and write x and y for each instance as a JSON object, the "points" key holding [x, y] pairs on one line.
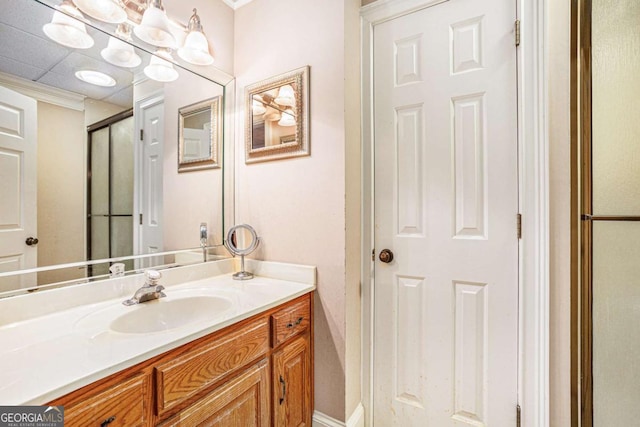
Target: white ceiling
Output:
{"points": [[26, 52]]}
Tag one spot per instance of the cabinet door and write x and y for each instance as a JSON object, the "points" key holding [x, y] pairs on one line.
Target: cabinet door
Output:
{"points": [[292, 384], [241, 402]]}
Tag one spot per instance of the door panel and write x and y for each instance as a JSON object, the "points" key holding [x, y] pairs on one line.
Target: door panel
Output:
{"points": [[18, 208], [445, 204], [151, 198]]}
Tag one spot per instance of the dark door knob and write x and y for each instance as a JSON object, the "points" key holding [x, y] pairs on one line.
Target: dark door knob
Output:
{"points": [[31, 241], [386, 256]]}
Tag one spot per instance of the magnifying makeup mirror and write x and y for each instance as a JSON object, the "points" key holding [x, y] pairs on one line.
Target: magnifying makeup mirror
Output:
{"points": [[242, 240]]}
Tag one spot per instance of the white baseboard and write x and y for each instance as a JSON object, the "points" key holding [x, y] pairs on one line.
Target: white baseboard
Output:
{"points": [[355, 420]]}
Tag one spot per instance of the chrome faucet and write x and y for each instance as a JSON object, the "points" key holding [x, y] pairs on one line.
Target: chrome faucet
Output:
{"points": [[150, 291]]}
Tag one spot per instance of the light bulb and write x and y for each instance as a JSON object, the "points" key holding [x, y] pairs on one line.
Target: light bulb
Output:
{"points": [[160, 69], [110, 11], [286, 96], [68, 30], [196, 47], [154, 28], [258, 108], [287, 118], [120, 53]]}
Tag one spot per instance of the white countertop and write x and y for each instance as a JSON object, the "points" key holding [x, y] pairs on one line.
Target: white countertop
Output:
{"points": [[47, 354]]}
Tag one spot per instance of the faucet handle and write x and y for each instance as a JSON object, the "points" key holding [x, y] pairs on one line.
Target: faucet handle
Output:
{"points": [[152, 277]]}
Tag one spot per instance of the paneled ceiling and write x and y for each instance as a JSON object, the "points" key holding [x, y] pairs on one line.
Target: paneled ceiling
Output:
{"points": [[26, 52]]}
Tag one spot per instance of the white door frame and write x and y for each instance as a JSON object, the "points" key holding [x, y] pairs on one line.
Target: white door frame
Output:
{"points": [[533, 175]]}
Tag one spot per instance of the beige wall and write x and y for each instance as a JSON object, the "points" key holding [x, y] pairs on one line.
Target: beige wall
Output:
{"points": [[298, 205]]}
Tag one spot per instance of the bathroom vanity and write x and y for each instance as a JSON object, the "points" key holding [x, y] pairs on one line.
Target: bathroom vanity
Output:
{"points": [[250, 364], [245, 374]]}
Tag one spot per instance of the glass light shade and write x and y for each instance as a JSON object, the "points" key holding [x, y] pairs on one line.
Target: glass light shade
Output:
{"points": [[120, 53], [272, 116], [258, 108], [96, 78], [286, 96], [103, 10], [161, 70], [154, 28], [66, 30], [196, 49], [287, 118]]}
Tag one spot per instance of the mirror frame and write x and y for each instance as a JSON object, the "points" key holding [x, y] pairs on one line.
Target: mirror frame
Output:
{"points": [[231, 246], [214, 105], [298, 147]]}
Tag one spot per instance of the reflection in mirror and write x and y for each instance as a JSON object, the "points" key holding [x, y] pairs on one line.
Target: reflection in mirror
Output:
{"points": [[242, 240], [87, 167], [277, 117], [199, 135]]}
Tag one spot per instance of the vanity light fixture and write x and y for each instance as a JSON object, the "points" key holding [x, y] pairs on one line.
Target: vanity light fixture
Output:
{"points": [[196, 48], [287, 118], [258, 108], [120, 53], [160, 67], [286, 96], [66, 27], [96, 78], [154, 28], [110, 11]]}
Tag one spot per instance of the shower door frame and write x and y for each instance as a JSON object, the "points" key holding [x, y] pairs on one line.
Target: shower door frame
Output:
{"points": [[582, 217]]}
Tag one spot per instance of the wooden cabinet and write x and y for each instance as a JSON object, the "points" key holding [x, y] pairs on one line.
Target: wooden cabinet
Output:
{"points": [[257, 372], [292, 384], [242, 401]]}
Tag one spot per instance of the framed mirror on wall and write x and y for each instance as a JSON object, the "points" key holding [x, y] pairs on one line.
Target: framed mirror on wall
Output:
{"points": [[200, 135], [277, 117]]}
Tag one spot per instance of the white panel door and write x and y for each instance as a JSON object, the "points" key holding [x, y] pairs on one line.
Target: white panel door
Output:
{"points": [[18, 210], [446, 202], [151, 192]]}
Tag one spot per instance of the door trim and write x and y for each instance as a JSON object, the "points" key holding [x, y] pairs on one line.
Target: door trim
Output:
{"points": [[533, 176]]}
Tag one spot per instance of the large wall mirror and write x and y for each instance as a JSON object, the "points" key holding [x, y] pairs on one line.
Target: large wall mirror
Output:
{"points": [[89, 155]]}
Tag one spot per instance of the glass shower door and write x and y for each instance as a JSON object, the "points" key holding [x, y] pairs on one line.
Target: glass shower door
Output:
{"points": [[111, 175], [615, 212]]}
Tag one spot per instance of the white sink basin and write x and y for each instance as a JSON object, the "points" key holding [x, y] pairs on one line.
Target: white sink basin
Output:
{"points": [[180, 308], [164, 315]]}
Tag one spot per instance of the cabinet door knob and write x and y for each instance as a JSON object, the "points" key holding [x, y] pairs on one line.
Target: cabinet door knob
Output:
{"points": [[31, 241], [386, 256]]}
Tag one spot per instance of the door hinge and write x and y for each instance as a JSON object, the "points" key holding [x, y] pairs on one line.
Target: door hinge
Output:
{"points": [[141, 134], [518, 416], [517, 32], [373, 254], [140, 219], [519, 225]]}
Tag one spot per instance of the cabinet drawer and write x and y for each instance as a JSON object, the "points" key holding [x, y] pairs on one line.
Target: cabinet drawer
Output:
{"points": [[188, 374], [242, 401], [288, 321], [123, 404]]}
